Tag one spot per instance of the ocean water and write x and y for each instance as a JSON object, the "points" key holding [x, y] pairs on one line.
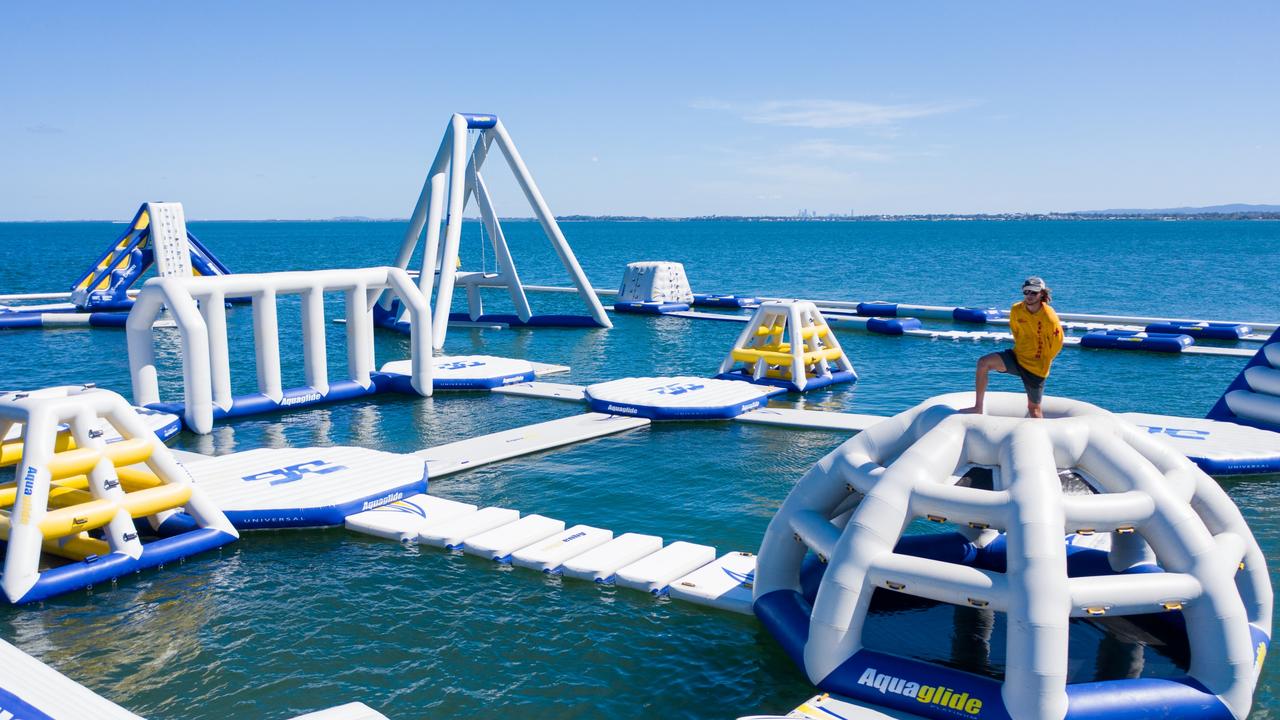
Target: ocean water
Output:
{"points": [[286, 622]]}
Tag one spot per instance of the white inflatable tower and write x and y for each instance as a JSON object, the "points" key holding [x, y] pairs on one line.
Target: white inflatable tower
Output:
{"points": [[1177, 545]]}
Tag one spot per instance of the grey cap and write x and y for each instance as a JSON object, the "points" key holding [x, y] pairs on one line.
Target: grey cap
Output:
{"points": [[1034, 283]]}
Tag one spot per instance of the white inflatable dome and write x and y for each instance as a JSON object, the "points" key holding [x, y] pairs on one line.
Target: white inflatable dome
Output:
{"points": [[1178, 545]]}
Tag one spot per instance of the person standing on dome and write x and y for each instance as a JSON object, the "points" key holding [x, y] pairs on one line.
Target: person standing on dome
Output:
{"points": [[1037, 338]]}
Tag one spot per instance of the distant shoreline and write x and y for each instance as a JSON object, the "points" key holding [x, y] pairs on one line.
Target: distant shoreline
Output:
{"points": [[925, 217]]}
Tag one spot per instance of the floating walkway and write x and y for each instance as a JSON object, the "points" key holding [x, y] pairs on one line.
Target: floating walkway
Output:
{"points": [[782, 417], [1218, 447], [272, 488], [682, 570], [475, 452]]}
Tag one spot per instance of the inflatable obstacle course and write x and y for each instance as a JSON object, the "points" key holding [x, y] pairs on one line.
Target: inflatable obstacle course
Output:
{"points": [[653, 288], [81, 504], [197, 306], [100, 296], [454, 178], [1173, 548], [789, 345]]}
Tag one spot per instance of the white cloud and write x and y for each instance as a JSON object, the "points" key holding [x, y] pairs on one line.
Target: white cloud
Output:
{"points": [[828, 114], [830, 150]]}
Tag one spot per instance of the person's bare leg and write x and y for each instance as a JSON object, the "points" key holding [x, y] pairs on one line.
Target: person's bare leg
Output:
{"points": [[986, 363], [1034, 410]]}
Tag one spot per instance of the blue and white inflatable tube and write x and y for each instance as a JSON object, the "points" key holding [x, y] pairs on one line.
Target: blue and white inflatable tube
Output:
{"points": [[1178, 546]]}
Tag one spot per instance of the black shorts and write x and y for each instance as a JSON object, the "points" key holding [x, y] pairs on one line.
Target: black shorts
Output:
{"points": [[1031, 381]]}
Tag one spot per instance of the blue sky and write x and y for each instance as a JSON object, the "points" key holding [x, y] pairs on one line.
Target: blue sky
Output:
{"points": [[313, 110]]}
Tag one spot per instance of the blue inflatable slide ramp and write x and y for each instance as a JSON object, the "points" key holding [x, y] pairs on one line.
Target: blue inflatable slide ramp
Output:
{"points": [[1253, 398]]}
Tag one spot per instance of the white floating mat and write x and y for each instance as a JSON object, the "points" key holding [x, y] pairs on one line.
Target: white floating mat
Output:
{"points": [[470, 372], [405, 519], [306, 487], [31, 690], [555, 550], [655, 572], [600, 564], [500, 542], [678, 398], [349, 711], [725, 584], [810, 419], [551, 391], [826, 707], [455, 532], [467, 454], [1219, 448], [164, 425]]}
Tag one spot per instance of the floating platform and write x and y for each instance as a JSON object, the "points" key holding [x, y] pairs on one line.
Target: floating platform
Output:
{"points": [[306, 487], [475, 452], [31, 690], [1218, 447], [678, 398], [469, 372]]}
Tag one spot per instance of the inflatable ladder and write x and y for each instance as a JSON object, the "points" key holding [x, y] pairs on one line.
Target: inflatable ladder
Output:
{"points": [[80, 504], [1254, 397], [790, 345]]}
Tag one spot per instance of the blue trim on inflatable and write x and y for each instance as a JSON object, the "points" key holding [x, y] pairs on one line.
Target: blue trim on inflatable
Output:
{"points": [[655, 412], [650, 308], [741, 374], [13, 707], [1239, 466], [974, 315], [20, 320], [1144, 699], [480, 121], [891, 326], [1132, 340], [916, 687], [109, 319], [299, 397], [877, 309], [534, 321], [77, 575], [723, 301], [1220, 411], [785, 614], [1206, 331], [480, 383], [324, 515]]}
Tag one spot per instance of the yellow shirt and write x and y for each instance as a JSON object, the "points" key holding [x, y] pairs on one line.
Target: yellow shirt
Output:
{"points": [[1037, 337]]}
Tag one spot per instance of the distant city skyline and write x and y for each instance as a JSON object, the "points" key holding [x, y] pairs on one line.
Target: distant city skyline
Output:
{"points": [[319, 110]]}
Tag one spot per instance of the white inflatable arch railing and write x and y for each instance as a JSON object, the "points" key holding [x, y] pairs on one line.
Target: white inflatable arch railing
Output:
{"points": [[198, 307], [1177, 545], [62, 496]]}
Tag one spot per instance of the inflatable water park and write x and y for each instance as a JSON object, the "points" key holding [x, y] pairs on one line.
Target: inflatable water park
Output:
{"points": [[1032, 531]]}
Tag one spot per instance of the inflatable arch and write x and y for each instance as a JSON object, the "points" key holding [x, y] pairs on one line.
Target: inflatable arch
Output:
{"points": [[455, 177], [81, 503], [1178, 547], [198, 307]]}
